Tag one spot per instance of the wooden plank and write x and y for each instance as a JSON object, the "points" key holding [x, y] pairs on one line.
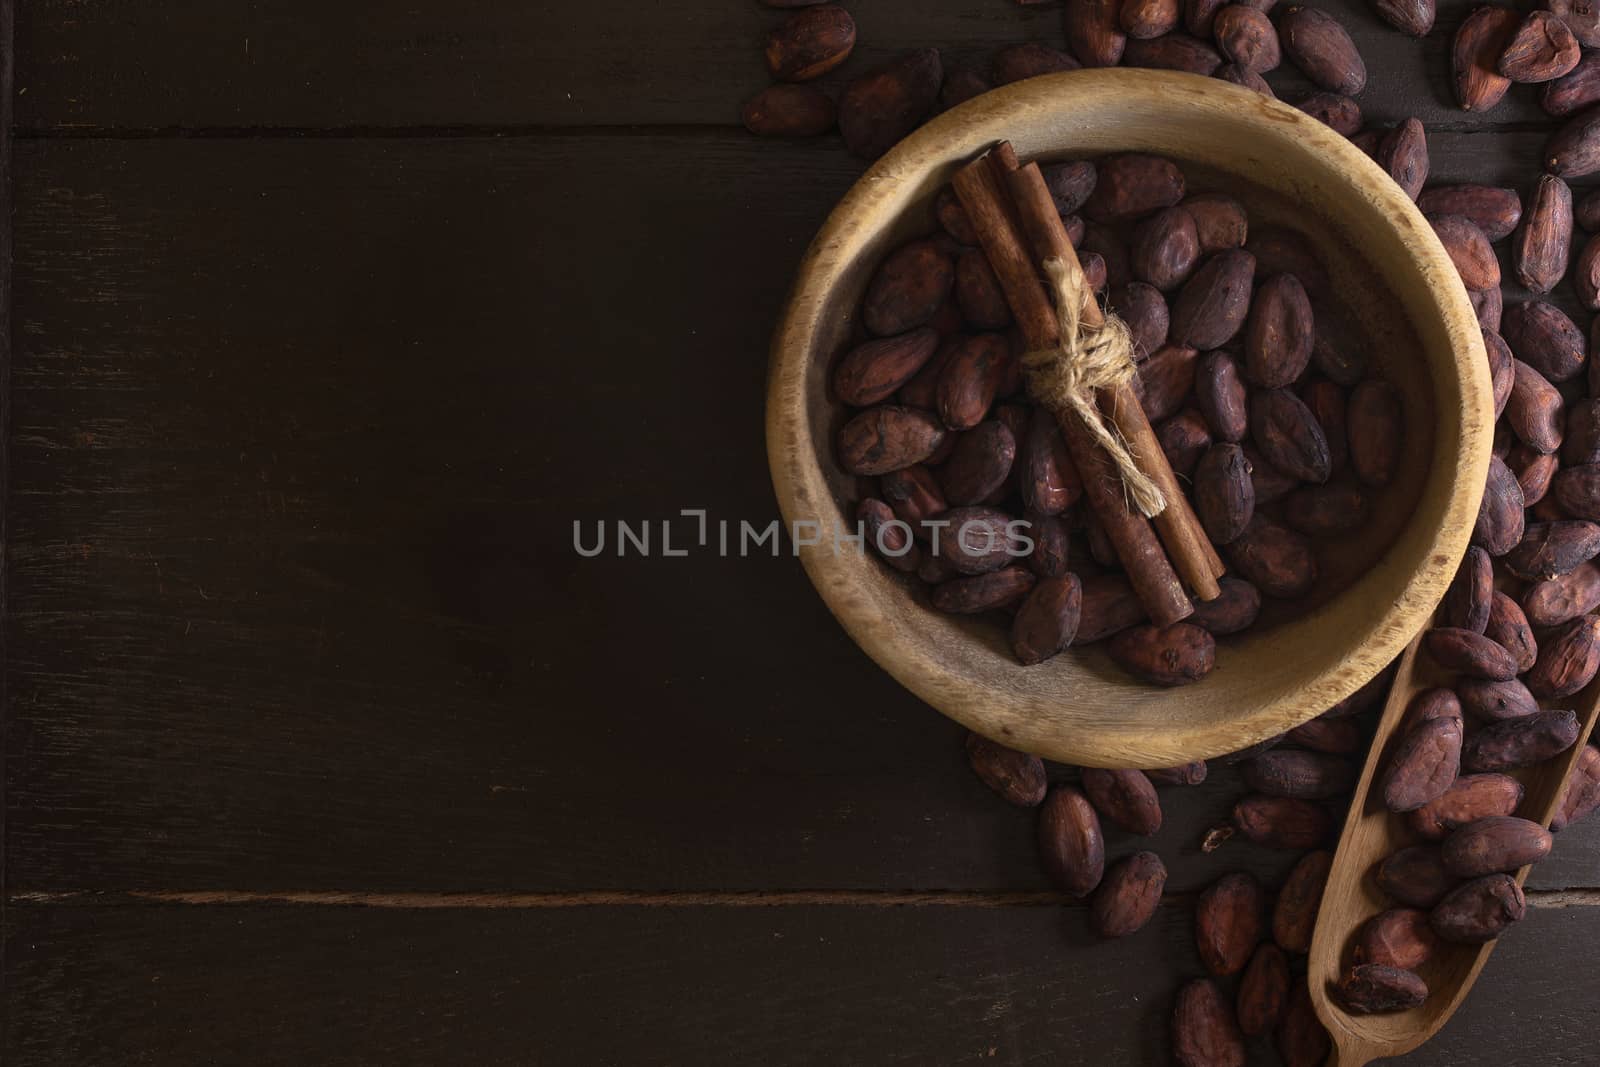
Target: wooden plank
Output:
{"points": [[301, 429], [802, 985], [479, 62]]}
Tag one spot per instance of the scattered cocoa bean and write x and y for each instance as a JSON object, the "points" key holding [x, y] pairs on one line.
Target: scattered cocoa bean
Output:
{"points": [[1471, 593], [1577, 491], [1227, 923], [1128, 897], [1204, 1031], [1568, 659], [1469, 249], [1294, 917], [1480, 910], [1535, 411], [1146, 19], [1493, 210], [1424, 763], [1573, 151], [1334, 109], [1520, 742], [1340, 737], [961, 85], [810, 43], [1416, 876], [1399, 937], [1542, 48], [1071, 845], [1542, 336], [1016, 62], [1192, 773], [1372, 989], [1470, 798], [1535, 470], [1550, 549], [1263, 989], [1475, 57], [1488, 305], [789, 111], [1403, 152], [1413, 17], [1496, 701], [1175, 51], [1125, 798], [1286, 772], [1246, 36], [1017, 777], [1316, 43], [888, 102], [1093, 32], [1582, 794], [1558, 600], [1282, 822], [1469, 653], [1246, 78], [1301, 1039], [1500, 521]]}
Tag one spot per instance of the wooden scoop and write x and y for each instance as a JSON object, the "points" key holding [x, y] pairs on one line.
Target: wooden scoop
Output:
{"points": [[1371, 833]]}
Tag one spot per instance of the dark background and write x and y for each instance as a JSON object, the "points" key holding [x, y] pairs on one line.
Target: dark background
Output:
{"points": [[322, 744]]}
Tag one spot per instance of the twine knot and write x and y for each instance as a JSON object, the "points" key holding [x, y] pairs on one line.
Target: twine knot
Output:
{"points": [[1089, 357]]}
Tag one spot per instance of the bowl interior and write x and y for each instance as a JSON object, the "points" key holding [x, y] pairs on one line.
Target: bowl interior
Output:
{"points": [[1398, 297]]}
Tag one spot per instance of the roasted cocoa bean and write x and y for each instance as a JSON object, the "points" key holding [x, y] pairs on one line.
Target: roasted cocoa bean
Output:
{"points": [[1069, 183], [1145, 19], [1488, 305], [978, 293], [1279, 332], [1535, 410], [1220, 221], [1282, 822], [1372, 989], [1227, 923], [1072, 847], [1093, 32], [789, 111], [1051, 545], [1413, 17], [1224, 497], [1495, 701], [1535, 470], [908, 288], [888, 102], [1573, 91], [1184, 438], [1301, 1039], [1540, 335], [1108, 243], [1289, 436], [1165, 380], [1577, 491], [1550, 549], [977, 540], [1294, 917], [1340, 737], [1509, 628], [1340, 359], [1204, 1031], [1125, 798], [1325, 510], [1479, 911], [1263, 990], [1471, 593], [1568, 659], [1541, 49], [1520, 742], [978, 593], [871, 372], [1213, 303], [1246, 78], [1500, 518], [1199, 16], [1133, 185], [1399, 937], [914, 494], [1246, 37], [1424, 763], [1222, 397], [1109, 607], [1475, 57], [1327, 403], [1050, 482], [1317, 44], [810, 43], [1172, 655], [1428, 705], [980, 463], [886, 438], [1235, 608], [1273, 558], [1469, 653], [971, 379], [1016, 777], [1286, 772], [1165, 248], [1403, 152], [1573, 151], [1334, 109], [887, 534], [1502, 369], [1175, 51], [1186, 774], [1144, 310], [1582, 794], [1047, 620], [1376, 430], [1586, 275], [1581, 16], [1469, 249], [1542, 248], [1016, 62], [1495, 211], [1470, 798], [1495, 844], [1128, 897], [1416, 876], [961, 85], [1561, 599]]}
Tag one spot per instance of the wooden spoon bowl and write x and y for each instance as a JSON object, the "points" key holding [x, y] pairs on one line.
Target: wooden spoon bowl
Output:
{"points": [[1386, 268], [1370, 835]]}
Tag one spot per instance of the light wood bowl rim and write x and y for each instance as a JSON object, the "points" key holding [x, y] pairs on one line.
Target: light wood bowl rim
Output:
{"points": [[1007, 706]]}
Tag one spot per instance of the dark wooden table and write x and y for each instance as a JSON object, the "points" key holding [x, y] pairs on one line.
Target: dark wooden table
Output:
{"points": [[322, 745]]}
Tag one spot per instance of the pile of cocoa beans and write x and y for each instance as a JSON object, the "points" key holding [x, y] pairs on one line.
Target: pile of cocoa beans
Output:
{"points": [[1279, 430]]}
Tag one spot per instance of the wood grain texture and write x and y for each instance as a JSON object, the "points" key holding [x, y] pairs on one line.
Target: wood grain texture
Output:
{"points": [[635, 986], [236, 65]]}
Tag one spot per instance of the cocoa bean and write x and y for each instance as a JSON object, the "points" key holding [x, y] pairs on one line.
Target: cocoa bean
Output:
{"points": [[914, 494], [1416, 876], [1128, 897], [1479, 911], [1582, 793], [1173, 655], [1144, 310], [1093, 32], [1586, 275], [953, 217], [1317, 44], [1341, 361], [1550, 549], [1475, 57], [1413, 17], [1399, 937], [922, 391], [1165, 248], [1542, 48], [1050, 482], [1493, 210], [1558, 600], [1500, 521], [980, 463], [1108, 243], [1587, 213], [1568, 659], [1285, 772], [1471, 593], [1165, 380], [1470, 653], [1263, 990], [810, 43], [887, 438], [1145, 19], [1279, 250], [1496, 701], [789, 111], [1051, 545], [1335, 110], [934, 570], [908, 288], [1340, 737], [888, 102], [1047, 620], [1535, 410], [1071, 845], [1235, 608], [1535, 470], [1424, 763], [1581, 16], [1246, 78], [1294, 917], [1204, 1031], [1184, 438], [1279, 332], [1069, 183], [1520, 742], [1428, 705], [961, 85], [1289, 436], [1403, 152], [871, 372], [1577, 490], [1273, 558], [1326, 402], [1301, 1039], [1573, 151], [1542, 249], [1199, 16], [1220, 221], [1540, 335], [1175, 51], [1187, 774], [1246, 37], [1495, 844], [1375, 428], [1470, 798], [1573, 91], [1125, 798], [1133, 185], [1213, 303], [978, 293], [890, 536], [1282, 822], [1224, 498], [1373, 989], [983, 592], [1502, 367], [977, 540], [1016, 777], [1095, 273], [1221, 396], [1109, 607], [1016, 62], [971, 378], [1469, 249], [1227, 923], [1488, 305]]}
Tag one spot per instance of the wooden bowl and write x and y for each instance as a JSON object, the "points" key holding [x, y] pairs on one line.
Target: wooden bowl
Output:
{"points": [[1385, 264]]}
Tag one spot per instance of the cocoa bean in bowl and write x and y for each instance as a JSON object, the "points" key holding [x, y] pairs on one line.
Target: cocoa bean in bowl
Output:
{"points": [[1273, 479]]}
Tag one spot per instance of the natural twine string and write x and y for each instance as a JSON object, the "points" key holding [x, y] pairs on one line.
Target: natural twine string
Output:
{"points": [[1089, 357]]}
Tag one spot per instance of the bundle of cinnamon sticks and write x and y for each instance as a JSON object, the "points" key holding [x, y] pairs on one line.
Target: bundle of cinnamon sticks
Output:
{"points": [[1019, 229]]}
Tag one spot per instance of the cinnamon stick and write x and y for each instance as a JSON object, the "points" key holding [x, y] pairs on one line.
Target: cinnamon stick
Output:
{"points": [[1192, 555], [1150, 573]]}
